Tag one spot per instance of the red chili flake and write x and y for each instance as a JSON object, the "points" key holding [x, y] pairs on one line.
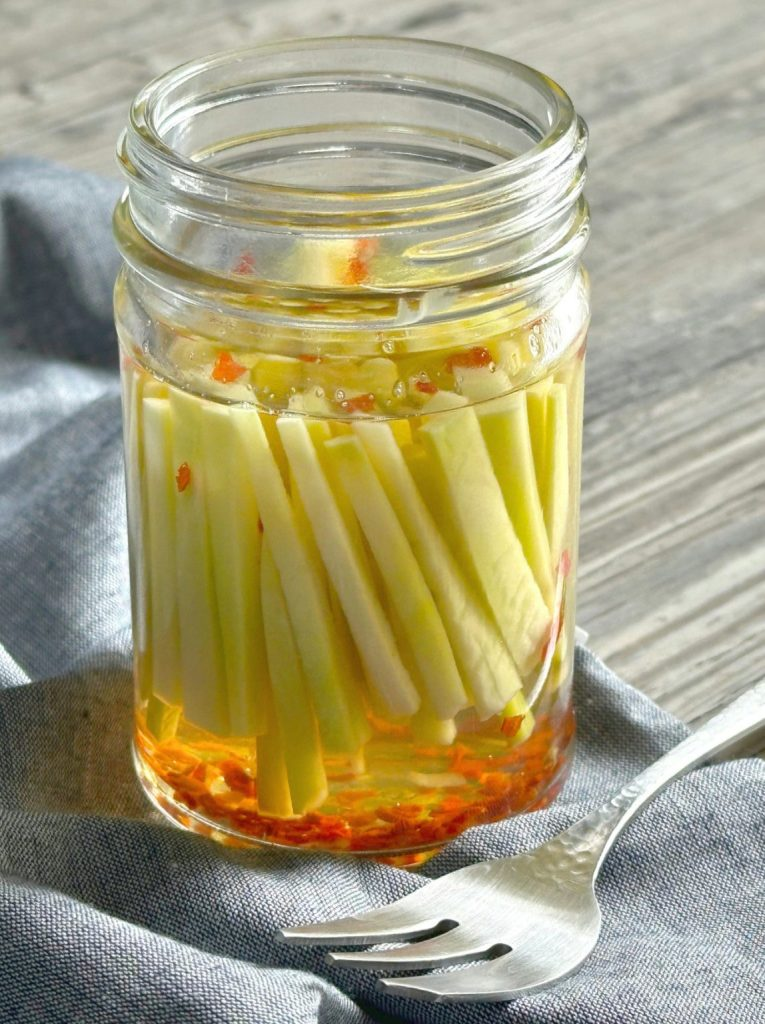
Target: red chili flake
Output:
{"points": [[183, 476], [510, 726], [236, 778], [459, 752], [471, 359], [226, 369], [260, 525], [564, 566], [246, 264], [306, 357], [360, 403], [426, 387], [186, 798], [357, 271], [582, 352]]}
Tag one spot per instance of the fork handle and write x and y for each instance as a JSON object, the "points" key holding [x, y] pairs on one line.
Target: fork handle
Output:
{"points": [[594, 834]]}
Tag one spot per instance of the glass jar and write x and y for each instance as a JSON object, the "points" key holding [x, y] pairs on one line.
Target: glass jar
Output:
{"points": [[352, 323]]}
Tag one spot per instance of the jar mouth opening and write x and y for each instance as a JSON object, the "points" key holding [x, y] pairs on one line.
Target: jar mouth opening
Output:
{"points": [[519, 121]]}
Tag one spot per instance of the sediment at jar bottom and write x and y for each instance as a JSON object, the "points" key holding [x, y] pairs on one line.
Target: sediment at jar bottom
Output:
{"points": [[408, 802], [314, 598]]}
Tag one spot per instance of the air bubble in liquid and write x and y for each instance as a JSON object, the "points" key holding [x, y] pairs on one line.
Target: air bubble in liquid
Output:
{"points": [[319, 392], [399, 389], [339, 395], [388, 346]]}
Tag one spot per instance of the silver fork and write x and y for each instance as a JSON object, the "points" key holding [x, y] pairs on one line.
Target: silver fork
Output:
{"points": [[533, 918]]}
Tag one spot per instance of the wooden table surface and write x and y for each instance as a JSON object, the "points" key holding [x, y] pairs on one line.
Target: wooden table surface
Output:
{"points": [[672, 581]]}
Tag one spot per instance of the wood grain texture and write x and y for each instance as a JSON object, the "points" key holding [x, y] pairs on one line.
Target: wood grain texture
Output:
{"points": [[673, 545]]}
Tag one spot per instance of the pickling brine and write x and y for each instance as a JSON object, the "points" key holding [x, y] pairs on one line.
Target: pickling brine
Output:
{"points": [[354, 627], [353, 515]]}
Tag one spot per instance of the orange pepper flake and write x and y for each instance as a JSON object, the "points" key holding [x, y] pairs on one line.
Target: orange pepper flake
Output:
{"points": [[511, 725], [564, 566], [246, 264], [183, 476], [357, 271], [426, 387], [226, 369], [260, 525], [471, 359], [307, 357], [360, 403], [582, 352]]}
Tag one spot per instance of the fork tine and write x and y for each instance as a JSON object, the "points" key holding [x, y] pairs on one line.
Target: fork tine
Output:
{"points": [[504, 978], [451, 947], [383, 924]]}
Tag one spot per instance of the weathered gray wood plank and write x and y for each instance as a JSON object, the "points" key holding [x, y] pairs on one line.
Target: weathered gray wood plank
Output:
{"points": [[673, 536]]}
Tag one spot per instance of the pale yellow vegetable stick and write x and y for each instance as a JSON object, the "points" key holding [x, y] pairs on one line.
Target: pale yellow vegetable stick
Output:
{"points": [[505, 428], [162, 719], [205, 697], [298, 728], [268, 422], [163, 632], [236, 540], [486, 534], [274, 799], [555, 492], [405, 584], [487, 667], [368, 624], [536, 404], [351, 672], [427, 729], [432, 489], [306, 599]]}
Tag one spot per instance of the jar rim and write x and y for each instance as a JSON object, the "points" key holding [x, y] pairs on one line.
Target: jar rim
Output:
{"points": [[143, 149]]}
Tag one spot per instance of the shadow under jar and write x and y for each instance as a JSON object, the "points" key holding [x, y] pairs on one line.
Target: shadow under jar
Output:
{"points": [[352, 323]]}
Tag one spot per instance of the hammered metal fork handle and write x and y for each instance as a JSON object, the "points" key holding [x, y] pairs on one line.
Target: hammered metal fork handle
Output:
{"points": [[590, 839]]}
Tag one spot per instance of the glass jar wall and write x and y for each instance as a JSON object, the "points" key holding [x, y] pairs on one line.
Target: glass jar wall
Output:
{"points": [[352, 324]]}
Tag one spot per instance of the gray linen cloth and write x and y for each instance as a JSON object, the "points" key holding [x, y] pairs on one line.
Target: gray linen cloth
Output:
{"points": [[108, 914]]}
